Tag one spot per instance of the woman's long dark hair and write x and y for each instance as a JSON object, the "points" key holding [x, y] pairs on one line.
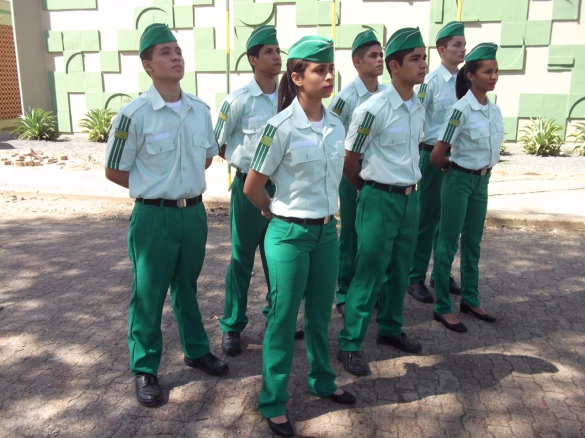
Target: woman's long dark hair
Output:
{"points": [[462, 83], [287, 90]]}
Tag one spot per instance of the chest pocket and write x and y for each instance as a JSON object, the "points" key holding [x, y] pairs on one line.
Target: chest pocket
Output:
{"points": [[441, 104], [160, 151], [481, 136], [251, 126], [306, 162], [201, 145], [393, 139]]}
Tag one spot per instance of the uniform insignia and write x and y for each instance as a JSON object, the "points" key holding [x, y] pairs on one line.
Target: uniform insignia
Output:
{"points": [[337, 111], [454, 122], [363, 130], [223, 116], [266, 140], [121, 134], [421, 96]]}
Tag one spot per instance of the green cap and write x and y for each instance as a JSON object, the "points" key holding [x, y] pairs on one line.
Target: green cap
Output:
{"points": [[365, 37], [482, 52], [261, 36], [403, 39], [156, 33], [455, 28], [313, 48]]}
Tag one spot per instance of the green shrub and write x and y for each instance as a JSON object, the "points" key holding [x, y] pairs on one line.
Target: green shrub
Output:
{"points": [[579, 137], [503, 148], [542, 137], [98, 123], [37, 124]]}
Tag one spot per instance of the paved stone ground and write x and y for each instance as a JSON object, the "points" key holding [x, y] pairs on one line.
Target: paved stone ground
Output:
{"points": [[64, 291]]}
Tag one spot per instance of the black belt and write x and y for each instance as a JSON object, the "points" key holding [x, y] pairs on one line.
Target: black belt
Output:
{"points": [[173, 203], [242, 176], [297, 220], [429, 147], [481, 172], [401, 190]]}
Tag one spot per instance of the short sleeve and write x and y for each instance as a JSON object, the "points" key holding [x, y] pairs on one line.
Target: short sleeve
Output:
{"points": [[269, 152], [227, 120], [214, 149], [425, 93], [359, 133], [452, 126], [339, 107], [122, 144]]}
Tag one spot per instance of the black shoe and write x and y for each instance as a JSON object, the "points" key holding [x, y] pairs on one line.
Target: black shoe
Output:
{"points": [[208, 363], [454, 288], [353, 362], [147, 390], [455, 327], [420, 292], [345, 398], [401, 342], [341, 309], [485, 317], [231, 344], [284, 429]]}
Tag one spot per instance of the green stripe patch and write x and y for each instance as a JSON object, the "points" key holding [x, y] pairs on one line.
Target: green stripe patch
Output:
{"points": [[338, 108], [422, 92], [453, 124], [120, 137], [221, 119], [263, 147], [363, 132]]}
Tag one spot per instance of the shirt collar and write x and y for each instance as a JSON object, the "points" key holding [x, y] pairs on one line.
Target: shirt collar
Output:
{"points": [[158, 102], [473, 103], [361, 88], [396, 100], [300, 119], [255, 89], [445, 74]]}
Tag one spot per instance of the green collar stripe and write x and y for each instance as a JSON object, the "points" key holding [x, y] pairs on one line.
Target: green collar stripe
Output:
{"points": [[365, 131], [119, 142], [452, 126]]}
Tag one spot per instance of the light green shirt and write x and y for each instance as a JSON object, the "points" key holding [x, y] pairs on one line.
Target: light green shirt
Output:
{"points": [[387, 133], [437, 95], [349, 98], [474, 133], [305, 165], [241, 118], [164, 152]]}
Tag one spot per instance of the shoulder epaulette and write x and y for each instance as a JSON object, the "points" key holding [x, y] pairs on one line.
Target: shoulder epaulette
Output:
{"points": [[235, 94], [376, 103], [130, 108], [280, 117], [197, 99]]}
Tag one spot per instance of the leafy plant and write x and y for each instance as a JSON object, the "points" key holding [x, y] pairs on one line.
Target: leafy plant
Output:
{"points": [[37, 124], [579, 137], [98, 123], [542, 137]]}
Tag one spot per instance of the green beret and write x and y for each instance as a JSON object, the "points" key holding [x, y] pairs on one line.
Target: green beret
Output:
{"points": [[365, 37], [403, 39], [313, 48], [261, 36], [482, 52], [156, 33], [455, 28]]}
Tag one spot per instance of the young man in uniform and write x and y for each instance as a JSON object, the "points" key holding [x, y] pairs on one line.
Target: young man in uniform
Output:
{"points": [[160, 145], [386, 130], [242, 115], [368, 60], [437, 95]]}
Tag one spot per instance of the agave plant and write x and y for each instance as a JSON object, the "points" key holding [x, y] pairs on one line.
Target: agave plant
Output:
{"points": [[579, 137], [37, 124], [542, 137], [98, 123]]}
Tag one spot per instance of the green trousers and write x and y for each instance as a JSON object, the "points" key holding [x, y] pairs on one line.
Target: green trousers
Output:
{"points": [[386, 225], [248, 228], [302, 262], [430, 210], [464, 199], [347, 238], [166, 247]]}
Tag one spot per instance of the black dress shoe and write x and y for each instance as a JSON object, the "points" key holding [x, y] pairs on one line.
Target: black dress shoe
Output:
{"points": [[454, 288], [208, 363], [345, 398], [284, 429], [455, 327], [484, 317], [420, 292], [231, 344], [147, 390], [401, 342], [353, 362], [341, 309]]}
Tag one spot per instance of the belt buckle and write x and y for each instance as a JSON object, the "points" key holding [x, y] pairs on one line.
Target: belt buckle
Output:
{"points": [[181, 203], [408, 191], [327, 220], [483, 172]]}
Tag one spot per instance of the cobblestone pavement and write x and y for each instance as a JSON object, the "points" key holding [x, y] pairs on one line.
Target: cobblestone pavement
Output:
{"points": [[64, 292]]}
